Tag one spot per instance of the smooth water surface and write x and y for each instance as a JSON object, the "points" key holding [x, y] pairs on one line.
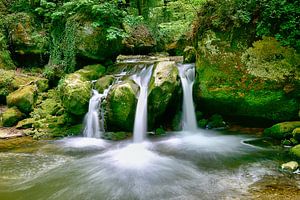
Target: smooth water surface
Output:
{"points": [[181, 165]]}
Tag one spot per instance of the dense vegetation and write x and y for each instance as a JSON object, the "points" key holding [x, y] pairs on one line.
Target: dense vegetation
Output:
{"points": [[246, 53]]}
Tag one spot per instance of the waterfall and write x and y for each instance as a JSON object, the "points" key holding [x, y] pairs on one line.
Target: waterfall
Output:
{"points": [[91, 122], [187, 77], [140, 122]]}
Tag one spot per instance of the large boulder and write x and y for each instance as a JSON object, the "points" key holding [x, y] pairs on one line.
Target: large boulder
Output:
{"points": [[281, 130], [11, 116], [226, 86], [75, 89], [92, 43], [24, 98], [163, 91], [121, 105], [75, 92]]}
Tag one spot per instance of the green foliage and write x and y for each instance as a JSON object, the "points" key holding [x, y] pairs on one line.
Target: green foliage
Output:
{"points": [[276, 18], [267, 59], [280, 18]]}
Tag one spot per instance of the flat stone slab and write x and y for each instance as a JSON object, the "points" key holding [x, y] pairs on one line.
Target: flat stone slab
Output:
{"points": [[6, 133]]}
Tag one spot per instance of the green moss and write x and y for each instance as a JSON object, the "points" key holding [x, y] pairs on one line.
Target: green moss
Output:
{"points": [[75, 93], [121, 106], [91, 72], [296, 134], [24, 98], [104, 82], [282, 130], [296, 150], [11, 116], [224, 85]]}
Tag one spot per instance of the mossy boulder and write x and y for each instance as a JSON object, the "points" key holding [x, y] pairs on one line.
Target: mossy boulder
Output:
{"points": [[121, 105], [282, 130], [11, 81], [163, 91], [75, 92], [104, 82], [24, 98], [11, 116], [91, 72], [296, 134], [50, 119], [92, 42], [295, 151], [224, 84]]}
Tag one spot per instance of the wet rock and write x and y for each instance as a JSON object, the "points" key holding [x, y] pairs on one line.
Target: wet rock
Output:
{"points": [[290, 166], [281, 130], [163, 90], [121, 105], [24, 98], [11, 116], [103, 83]]}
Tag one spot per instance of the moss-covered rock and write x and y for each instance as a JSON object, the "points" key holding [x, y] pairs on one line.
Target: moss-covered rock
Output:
{"points": [[163, 90], [92, 43], [11, 116], [295, 150], [11, 81], [50, 119], [91, 72], [75, 93], [104, 82], [121, 105], [296, 134], [24, 98], [282, 130], [225, 86]]}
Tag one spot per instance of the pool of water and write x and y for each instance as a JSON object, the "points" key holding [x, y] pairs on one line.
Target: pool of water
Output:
{"points": [[181, 165]]}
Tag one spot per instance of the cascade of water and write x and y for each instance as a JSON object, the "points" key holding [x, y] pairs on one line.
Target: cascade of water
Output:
{"points": [[140, 121], [91, 122], [187, 77], [94, 120]]}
